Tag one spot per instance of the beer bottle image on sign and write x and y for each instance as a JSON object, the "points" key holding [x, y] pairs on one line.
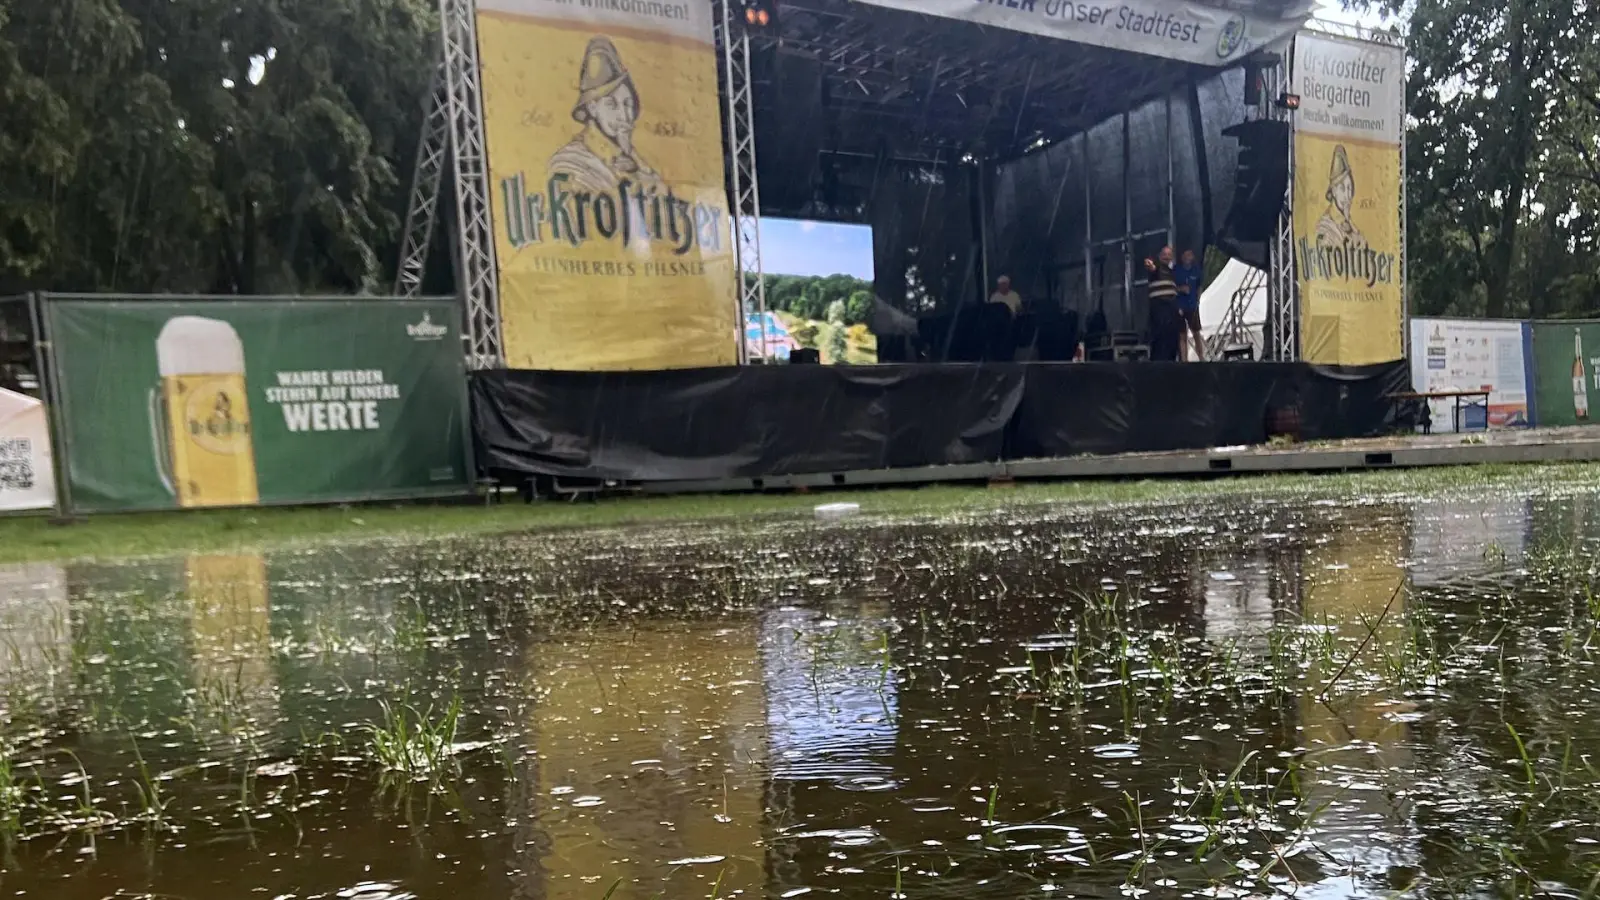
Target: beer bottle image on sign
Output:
{"points": [[1580, 384], [200, 414]]}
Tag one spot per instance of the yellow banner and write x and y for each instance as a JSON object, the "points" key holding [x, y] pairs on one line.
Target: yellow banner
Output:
{"points": [[1347, 250], [605, 165], [1347, 199]]}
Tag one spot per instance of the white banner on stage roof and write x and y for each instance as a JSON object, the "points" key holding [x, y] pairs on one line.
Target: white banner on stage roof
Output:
{"points": [[1175, 29]]}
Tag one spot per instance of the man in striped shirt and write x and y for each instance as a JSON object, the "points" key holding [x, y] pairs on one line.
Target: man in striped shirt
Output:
{"points": [[1166, 325]]}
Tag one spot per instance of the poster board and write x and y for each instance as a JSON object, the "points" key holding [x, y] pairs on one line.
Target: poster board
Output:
{"points": [[1566, 371], [1471, 355], [217, 402]]}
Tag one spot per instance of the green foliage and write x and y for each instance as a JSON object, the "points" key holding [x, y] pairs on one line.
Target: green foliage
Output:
{"points": [[810, 296], [1503, 157], [181, 145]]}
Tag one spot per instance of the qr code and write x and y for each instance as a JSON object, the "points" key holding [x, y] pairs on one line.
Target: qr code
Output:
{"points": [[16, 464]]}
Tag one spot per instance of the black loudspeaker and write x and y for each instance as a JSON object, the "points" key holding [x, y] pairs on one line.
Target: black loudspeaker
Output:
{"points": [[1262, 180], [805, 356]]}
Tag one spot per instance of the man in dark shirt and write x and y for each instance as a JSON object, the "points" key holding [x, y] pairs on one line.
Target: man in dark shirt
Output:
{"points": [[1166, 328], [1188, 275]]}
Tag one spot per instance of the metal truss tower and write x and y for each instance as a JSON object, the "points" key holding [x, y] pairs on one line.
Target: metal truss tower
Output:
{"points": [[433, 154], [454, 132], [750, 290], [1283, 297]]}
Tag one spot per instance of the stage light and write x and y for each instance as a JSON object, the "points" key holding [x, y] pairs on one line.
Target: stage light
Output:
{"points": [[759, 15], [1289, 101]]}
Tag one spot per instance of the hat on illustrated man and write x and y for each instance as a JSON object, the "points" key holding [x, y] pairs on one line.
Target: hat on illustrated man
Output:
{"points": [[603, 72], [1339, 170]]}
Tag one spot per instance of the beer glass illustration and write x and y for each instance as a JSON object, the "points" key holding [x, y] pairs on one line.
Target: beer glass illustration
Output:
{"points": [[200, 415]]}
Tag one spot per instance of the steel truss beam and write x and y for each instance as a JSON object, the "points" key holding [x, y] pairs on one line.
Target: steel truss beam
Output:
{"points": [[1283, 296], [477, 274], [433, 152], [750, 290]]}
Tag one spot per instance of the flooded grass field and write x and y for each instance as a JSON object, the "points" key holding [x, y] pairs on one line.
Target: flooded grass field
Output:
{"points": [[1221, 698]]}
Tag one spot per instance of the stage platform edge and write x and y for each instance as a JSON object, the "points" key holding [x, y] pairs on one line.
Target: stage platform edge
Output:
{"points": [[1507, 447]]}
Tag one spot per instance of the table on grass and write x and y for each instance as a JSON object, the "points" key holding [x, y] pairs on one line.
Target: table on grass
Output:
{"points": [[1464, 400]]}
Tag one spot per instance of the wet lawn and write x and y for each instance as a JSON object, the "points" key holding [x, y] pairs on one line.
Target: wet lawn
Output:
{"points": [[1360, 687], [31, 538]]}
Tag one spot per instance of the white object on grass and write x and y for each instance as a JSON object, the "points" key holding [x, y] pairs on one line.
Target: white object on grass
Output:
{"points": [[837, 510]]}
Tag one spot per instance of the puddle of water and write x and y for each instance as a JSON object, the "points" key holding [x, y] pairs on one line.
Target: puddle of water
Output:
{"points": [[1228, 699]]}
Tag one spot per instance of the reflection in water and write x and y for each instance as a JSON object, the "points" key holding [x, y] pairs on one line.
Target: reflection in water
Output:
{"points": [[35, 632], [1355, 740], [830, 694], [233, 676], [1220, 701], [1464, 538], [650, 748]]}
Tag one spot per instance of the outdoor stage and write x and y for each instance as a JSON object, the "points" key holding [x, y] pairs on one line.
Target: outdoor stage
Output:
{"points": [[976, 141]]}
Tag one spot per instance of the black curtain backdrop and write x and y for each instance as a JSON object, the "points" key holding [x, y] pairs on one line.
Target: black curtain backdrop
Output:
{"points": [[760, 421]]}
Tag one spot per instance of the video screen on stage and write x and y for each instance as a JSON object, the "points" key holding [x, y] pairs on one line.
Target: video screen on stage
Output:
{"points": [[818, 293]]}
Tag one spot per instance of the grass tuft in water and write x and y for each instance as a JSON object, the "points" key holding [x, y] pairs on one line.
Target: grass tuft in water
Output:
{"points": [[418, 745]]}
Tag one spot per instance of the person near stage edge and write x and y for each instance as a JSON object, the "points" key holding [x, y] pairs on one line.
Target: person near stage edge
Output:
{"points": [[1166, 327], [1187, 275], [1004, 295]]}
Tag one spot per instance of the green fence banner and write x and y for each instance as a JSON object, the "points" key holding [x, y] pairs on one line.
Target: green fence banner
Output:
{"points": [[183, 403], [1566, 372]]}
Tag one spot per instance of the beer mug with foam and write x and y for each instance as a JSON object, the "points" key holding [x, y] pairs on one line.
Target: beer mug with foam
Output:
{"points": [[200, 414]]}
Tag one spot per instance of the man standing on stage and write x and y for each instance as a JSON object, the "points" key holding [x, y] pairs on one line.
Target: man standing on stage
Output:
{"points": [[1166, 327], [1187, 275], [1005, 296]]}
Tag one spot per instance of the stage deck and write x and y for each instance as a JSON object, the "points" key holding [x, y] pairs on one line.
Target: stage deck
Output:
{"points": [[1501, 446]]}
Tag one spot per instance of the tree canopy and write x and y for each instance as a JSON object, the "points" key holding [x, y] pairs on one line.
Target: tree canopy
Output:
{"points": [[214, 145], [811, 296], [1503, 156], [207, 145]]}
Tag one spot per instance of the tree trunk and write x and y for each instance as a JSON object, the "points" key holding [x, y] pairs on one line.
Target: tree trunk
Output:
{"points": [[1515, 164]]}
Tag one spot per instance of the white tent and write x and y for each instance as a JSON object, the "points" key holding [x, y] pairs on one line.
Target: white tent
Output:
{"points": [[1217, 306]]}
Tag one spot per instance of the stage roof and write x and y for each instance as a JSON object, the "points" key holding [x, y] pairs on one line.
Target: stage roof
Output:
{"points": [[920, 86]]}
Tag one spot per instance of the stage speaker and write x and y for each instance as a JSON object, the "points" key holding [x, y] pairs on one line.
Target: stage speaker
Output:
{"points": [[805, 356], [1262, 180]]}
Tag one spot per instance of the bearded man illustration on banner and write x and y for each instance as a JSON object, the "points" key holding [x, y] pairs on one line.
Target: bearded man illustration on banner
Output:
{"points": [[602, 154], [1335, 229]]}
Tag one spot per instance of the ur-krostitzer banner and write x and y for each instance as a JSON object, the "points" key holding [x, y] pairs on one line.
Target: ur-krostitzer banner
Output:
{"points": [[1184, 30], [611, 225], [1347, 198], [236, 402]]}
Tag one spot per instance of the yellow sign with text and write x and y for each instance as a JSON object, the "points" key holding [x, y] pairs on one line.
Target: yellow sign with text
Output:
{"points": [[1347, 200], [1347, 250], [611, 224]]}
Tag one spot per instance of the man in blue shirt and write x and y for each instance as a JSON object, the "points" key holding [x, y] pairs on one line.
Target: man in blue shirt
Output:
{"points": [[1187, 274]]}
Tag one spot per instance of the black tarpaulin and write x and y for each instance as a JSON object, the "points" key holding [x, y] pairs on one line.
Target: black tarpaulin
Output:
{"points": [[760, 421], [740, 422]]}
